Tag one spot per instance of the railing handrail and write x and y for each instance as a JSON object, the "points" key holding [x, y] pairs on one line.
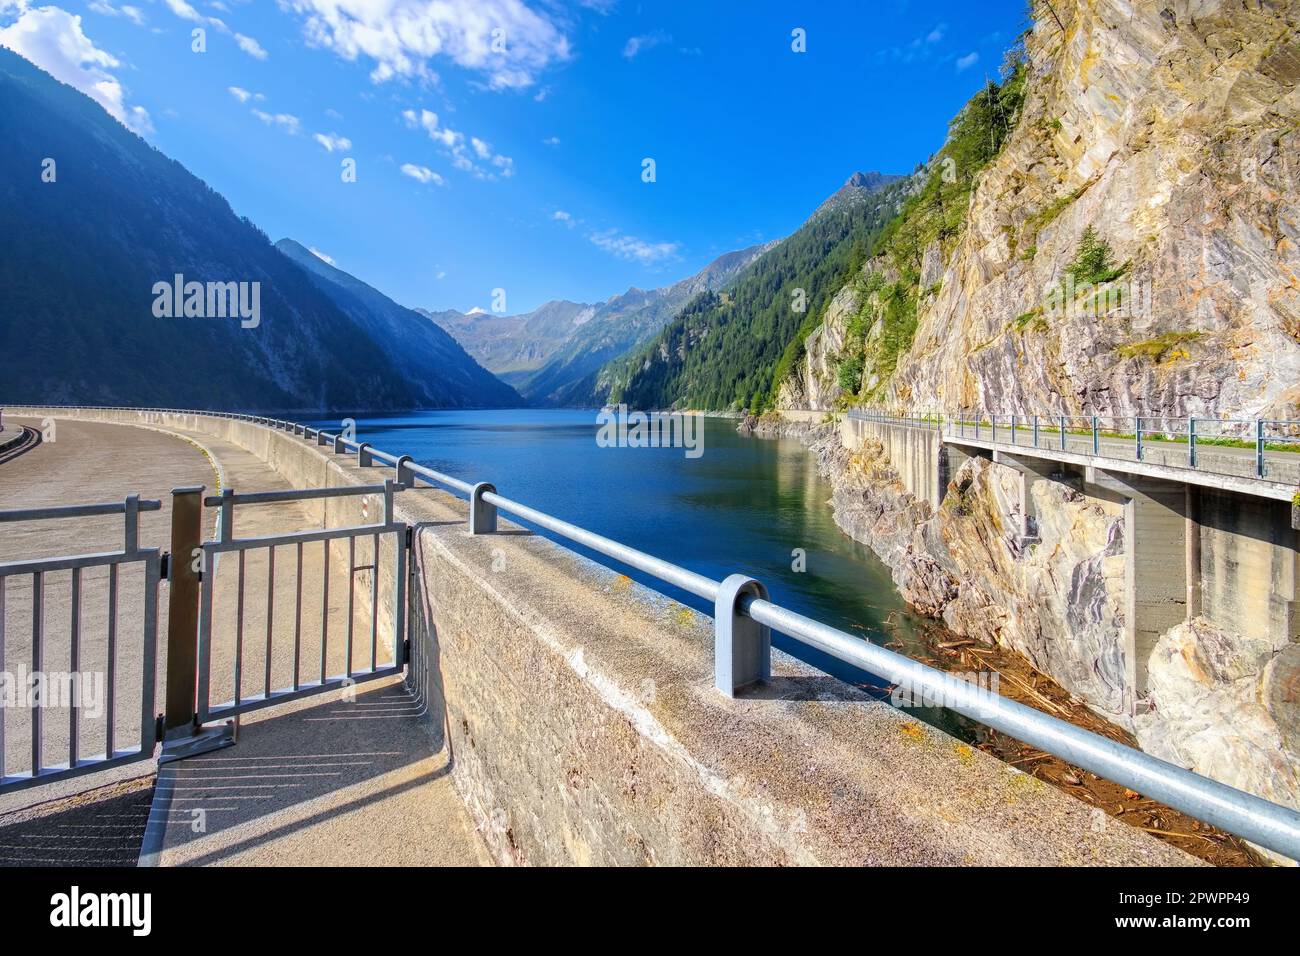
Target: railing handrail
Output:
{"points": [[55, 512], [1253, 818]]}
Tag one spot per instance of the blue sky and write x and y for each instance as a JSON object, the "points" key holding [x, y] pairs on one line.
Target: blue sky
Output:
{"points": [[513, 160]]}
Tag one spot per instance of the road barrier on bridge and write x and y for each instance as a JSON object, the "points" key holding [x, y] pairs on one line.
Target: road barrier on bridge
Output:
{"points": [[1242, 446], [744, 618]]}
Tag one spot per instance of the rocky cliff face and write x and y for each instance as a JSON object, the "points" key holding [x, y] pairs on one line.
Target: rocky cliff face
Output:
{"points": [[1172, 130], [813, 382], [1132, 249]]}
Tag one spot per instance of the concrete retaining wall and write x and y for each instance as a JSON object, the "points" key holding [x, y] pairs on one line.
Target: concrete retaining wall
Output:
{"points": [[584, 727], [917, 454]]}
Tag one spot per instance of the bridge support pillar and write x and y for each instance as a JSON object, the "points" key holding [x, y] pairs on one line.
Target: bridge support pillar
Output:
{"points": [[1030, 470], [1157, 562]]}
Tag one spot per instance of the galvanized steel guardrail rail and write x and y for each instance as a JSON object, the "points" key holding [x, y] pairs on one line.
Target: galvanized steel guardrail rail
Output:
{"points": [[743, 621]]}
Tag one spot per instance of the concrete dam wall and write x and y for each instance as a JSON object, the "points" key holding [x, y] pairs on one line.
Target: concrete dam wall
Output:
{"points": [[584, 728]]}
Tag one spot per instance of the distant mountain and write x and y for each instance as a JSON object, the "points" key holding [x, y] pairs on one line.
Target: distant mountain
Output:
{"points": [[572, 375], [85, 242], [443, 375], [554, 354], [513, 346], [856, 189], [728, 350]]}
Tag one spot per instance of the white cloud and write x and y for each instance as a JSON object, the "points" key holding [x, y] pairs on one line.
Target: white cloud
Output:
{"points": [[633, 249], [402, 37], [106, 8], [286, 121], [649, 41], [967, 61], [551, 141], [422, 174], [561, 216], [53, 40], [333, 141], [186, 11], [461, 149], [328, 260], [251, 47], [937, 33], [243, 95]]}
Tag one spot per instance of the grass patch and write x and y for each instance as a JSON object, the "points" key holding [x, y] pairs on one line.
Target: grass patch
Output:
{"points": [[1168, 347]]}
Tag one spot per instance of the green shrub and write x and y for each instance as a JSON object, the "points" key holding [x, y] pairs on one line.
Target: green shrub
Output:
{"points": [[1094, 262]]}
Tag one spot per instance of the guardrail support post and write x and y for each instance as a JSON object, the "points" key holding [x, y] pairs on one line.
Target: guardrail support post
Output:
{"points": [[320, 437], [1013, 429], [742, 648], [338, 445], [1096, 438], [1062, 433], [403, 475], [1035, 431], [1259, 447], [1191, 442], [1139, 439], [183, 607], [363, 455], [482, 516]]}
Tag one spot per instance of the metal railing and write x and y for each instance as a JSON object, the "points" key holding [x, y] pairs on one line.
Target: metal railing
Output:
{"points": [[1246, 448], [72, 681], [280, 683], [744, 618]]}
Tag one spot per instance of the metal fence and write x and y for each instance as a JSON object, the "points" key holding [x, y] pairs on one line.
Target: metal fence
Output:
{"points": [[744, 618], [285, 673], [62, 672], [1247, 448]]}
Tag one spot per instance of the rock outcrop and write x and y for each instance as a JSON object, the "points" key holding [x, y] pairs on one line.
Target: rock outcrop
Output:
{"points": [[1169, 135], [1172, 130]]}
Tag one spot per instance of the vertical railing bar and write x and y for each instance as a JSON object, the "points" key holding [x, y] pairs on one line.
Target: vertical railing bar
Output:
{"points": [[74, 633], [297, 621], [374, 608], [111, 668], [38, 662], [352, 572], [148, 690], [270, 616], [401, 620], [239, 633], [3, 581], [325, 611]]}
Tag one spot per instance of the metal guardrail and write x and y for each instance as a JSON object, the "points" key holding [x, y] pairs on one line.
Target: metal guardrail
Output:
{"points": [[743, 621], [1180, 441], [40, 770]]}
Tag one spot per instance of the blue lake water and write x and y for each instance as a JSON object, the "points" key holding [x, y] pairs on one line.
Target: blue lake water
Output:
{"points": [[744, 505]]}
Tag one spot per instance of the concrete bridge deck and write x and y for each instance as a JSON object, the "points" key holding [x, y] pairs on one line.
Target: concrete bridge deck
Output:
{"points": [[322, 782]]}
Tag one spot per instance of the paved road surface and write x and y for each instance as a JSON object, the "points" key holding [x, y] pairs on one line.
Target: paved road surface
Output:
{"points": [[324, 781]]}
